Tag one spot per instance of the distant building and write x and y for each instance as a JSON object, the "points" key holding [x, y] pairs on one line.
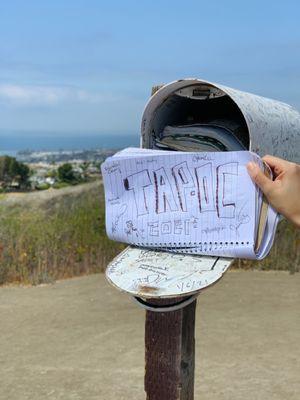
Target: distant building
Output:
{"points": [[50, 181]]}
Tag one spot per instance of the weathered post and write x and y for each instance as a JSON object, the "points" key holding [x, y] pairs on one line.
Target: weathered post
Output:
{"points": [[170, 349], [170, 352]]}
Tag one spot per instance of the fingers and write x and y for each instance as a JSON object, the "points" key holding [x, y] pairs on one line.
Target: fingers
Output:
{"points": [[264, 183], [277, 164]]}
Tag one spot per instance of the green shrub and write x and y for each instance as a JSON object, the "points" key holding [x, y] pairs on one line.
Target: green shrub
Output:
{"points": [[42, 186], [66, 173], [60, 185], [13, 170]]}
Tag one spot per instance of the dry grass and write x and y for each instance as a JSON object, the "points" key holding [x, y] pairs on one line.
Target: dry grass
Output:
{"points": [[285, 253], [62, 234], [61, 237]]}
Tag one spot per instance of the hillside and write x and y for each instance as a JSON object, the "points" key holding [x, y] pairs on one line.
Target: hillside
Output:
{"points": [[55, 234]]}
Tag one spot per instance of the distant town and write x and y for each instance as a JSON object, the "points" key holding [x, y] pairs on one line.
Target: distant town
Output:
{"points": [[40, 170]]}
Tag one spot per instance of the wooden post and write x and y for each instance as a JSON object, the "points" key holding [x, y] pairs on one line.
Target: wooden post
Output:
{"points": [[170, 349], [156, 88], [170, 353]]}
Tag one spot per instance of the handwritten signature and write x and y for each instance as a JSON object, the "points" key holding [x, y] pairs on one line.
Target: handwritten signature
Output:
{"points": [[110, 169], [204, 157]]}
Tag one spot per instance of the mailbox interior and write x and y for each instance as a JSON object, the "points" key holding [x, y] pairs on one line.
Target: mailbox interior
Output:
{"points": [[198, 104]]}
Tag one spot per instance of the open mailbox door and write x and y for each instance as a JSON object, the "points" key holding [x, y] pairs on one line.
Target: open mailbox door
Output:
{"points": [[196, 115], [158, 274]]}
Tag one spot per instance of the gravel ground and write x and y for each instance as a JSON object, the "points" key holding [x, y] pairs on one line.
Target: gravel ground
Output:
{"points": [[81, 339]]}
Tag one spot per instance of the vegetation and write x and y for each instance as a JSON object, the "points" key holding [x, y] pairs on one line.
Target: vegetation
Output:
{"points": [[49, 238], [66, 174], [13, 174], [60, 185], [84, 167], [56, 238], [42, 186], [17, 176], [285, 253]]}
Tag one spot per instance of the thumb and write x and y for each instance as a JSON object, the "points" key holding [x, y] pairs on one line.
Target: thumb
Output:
{"points": [[258, 177]]}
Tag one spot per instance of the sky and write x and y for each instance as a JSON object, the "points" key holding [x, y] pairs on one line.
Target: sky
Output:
{"points": [[88, 66]]}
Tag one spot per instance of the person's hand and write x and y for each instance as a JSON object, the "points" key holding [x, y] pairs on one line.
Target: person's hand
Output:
{"points": [[284, 192]]}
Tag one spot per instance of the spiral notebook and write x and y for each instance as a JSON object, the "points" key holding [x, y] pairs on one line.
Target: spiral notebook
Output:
{"points": [[185, 202]]}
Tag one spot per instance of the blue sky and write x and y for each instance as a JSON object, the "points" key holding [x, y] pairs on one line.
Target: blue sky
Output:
{"points": [[88, 66]]}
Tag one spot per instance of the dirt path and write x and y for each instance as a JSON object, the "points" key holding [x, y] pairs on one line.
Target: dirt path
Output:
{"points": [[81, 339], [39, 197]]}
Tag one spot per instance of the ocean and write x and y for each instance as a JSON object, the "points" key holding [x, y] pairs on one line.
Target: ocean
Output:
{"points": [[11, 143]]}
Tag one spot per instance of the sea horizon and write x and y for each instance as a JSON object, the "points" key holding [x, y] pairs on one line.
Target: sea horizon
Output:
{"points": [[13, 142]]}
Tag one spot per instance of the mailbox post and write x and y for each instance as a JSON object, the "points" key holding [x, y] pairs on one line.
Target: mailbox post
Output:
{"points": [[254, 123], [170, 353], [170, 349]]}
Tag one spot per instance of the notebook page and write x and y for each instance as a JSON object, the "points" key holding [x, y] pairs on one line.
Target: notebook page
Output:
{"points": [[195, 202], [202, 201], [269, 234], [136, 151], [262, 213]]}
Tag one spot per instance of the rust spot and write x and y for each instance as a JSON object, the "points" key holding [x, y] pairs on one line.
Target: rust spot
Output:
{"points": [[147, 289]]}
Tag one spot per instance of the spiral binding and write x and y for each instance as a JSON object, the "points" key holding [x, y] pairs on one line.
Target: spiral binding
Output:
{"points": [[188, 247]]}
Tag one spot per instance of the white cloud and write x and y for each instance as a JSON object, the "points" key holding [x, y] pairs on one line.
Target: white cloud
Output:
{"points": [[47, 95]]}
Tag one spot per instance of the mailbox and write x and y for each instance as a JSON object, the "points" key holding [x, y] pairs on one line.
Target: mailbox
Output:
{"points": [[196, 115], [256, 123]]}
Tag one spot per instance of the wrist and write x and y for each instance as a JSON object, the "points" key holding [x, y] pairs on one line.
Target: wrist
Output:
{"points": [[297, 221]]}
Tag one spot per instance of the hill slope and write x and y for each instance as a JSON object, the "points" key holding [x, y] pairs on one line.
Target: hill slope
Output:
{"points": [[54, 234]]}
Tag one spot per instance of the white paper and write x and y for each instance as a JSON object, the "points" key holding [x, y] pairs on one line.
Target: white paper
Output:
{"points": [[201, 203]]}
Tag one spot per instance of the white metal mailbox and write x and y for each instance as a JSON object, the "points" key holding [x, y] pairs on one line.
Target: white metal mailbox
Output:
{"points": [[224, 119], [262, 125]]}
